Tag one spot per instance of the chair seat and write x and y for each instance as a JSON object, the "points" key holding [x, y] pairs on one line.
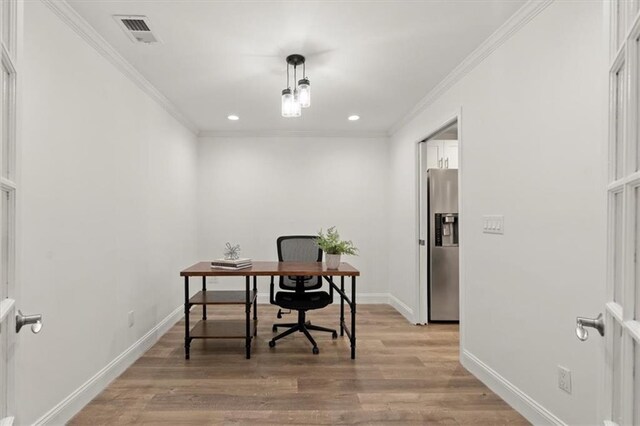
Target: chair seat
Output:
{"points": [[303, 301]]}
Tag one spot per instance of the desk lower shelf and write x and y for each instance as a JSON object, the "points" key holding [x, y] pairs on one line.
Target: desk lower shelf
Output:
{"points": [[221, 329], [217, 297]]}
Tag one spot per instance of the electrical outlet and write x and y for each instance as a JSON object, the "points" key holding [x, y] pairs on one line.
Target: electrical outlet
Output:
{"points": [[131, 319], [564, 379], [213, 280]]}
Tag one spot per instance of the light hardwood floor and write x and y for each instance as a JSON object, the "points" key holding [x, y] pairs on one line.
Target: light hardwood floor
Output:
{"points": [[404, 374]]}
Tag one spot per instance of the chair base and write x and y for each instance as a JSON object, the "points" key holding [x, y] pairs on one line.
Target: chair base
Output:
{"points": [[302, 326]]}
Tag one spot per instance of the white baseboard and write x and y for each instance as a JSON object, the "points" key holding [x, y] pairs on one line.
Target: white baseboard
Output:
{"points": [[401, 307], [372, 298], [72, 404], [516, 398], [364, 298]]}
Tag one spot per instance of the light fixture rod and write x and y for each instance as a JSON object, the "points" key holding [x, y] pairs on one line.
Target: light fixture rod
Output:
{"points": [[288, 76]]}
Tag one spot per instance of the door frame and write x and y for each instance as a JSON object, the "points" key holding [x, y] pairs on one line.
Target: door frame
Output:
{"points": [[420, 313]]}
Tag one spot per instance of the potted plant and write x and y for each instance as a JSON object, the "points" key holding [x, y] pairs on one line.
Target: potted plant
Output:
{"points": [[333, 247]]}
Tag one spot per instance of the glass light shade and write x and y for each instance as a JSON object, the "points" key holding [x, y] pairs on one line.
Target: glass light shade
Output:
{"points": [[297, 109], [304, 90], [287, 103]]}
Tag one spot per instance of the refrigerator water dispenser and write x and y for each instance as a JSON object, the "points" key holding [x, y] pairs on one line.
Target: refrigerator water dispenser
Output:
{"points": [[446, 229]]}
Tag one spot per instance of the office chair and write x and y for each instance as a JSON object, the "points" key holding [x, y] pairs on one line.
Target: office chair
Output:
{"points": [[296, 294]]}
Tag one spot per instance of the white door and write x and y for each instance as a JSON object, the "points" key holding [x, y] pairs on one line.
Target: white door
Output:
{"points": [[621, 388], [9, 13]]}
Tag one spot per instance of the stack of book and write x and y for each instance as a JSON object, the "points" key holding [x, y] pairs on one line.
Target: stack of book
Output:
{"points": [[231, 264]]}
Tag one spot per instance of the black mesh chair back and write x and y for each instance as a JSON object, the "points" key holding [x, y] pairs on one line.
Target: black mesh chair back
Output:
{"points": [[299, 248]]}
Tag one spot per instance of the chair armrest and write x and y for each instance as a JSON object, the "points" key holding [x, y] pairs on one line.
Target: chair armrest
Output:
{"points": [[272, 299]]}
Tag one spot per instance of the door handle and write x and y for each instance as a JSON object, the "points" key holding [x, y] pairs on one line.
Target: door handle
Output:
{"points": [[440, 163], [446, 163], [581, 323], [34, 320]]}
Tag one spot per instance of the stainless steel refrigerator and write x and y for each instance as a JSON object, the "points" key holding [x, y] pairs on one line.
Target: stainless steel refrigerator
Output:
{"points": [[443, 269]]}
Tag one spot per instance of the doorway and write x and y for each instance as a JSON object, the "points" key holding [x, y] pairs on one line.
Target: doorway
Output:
{"points": [[439, 225]]}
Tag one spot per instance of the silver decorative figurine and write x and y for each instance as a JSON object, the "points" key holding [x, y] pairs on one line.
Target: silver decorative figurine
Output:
{"points": [[232, 252]]}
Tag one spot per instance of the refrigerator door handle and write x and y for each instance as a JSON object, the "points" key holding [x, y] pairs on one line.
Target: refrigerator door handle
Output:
{"points": [[446, 163]]}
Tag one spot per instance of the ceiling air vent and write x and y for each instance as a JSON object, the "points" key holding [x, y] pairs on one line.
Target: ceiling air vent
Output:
{"points": [[137, 28]]}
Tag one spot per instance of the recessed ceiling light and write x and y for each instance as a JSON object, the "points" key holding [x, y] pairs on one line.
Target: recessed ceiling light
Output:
{"points": [[233, 117], [354, 117]]}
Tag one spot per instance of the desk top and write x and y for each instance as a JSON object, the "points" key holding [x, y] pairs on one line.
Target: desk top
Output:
{"points": [[260, 268]]}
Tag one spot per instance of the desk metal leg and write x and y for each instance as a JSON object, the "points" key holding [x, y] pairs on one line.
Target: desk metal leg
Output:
{"points": [[187, 339], [255, 304], [247, 309], [353, 317], [342, 306], [204, 306]]}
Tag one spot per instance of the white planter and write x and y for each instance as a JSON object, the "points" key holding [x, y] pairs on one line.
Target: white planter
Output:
{"points": [[333, 261]]}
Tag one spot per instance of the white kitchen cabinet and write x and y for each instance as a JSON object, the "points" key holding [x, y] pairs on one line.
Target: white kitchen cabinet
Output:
{"points": [[442, 154], [434, 153], [450, 155]]}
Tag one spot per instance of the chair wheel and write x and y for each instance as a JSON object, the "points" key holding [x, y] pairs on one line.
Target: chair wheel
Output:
{"points": [[316, 351], [272, 343], [274, 328], [334, 334], [279, 315]]}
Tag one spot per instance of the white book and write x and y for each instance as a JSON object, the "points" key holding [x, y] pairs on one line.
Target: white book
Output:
{"points": [[231, 268]]}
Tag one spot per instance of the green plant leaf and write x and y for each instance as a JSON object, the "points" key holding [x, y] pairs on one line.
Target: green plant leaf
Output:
{"points": [[331, 243]]}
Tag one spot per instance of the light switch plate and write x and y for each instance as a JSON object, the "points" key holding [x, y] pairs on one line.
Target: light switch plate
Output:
{"points": [[493, 224]]}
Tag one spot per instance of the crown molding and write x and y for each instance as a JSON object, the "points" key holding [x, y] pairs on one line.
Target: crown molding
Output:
{"points": [[76, 22], [68, 15], [291, 133], [518, 20]]}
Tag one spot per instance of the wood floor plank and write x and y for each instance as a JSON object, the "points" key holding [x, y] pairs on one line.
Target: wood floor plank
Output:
{"points": [[403, 375]]}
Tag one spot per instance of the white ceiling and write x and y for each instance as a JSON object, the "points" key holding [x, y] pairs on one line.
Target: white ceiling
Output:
{"points": [[376, 59]]}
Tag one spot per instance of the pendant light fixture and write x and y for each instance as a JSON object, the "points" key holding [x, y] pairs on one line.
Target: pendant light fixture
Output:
{"points": [[300, 97]]}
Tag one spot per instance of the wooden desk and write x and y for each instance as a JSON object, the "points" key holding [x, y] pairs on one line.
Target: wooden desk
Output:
{"points": [[233, 329]]}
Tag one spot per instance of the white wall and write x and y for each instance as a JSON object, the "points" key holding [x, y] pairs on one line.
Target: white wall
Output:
{"points": [[108, 202], [533, 138], [255, 189]]}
